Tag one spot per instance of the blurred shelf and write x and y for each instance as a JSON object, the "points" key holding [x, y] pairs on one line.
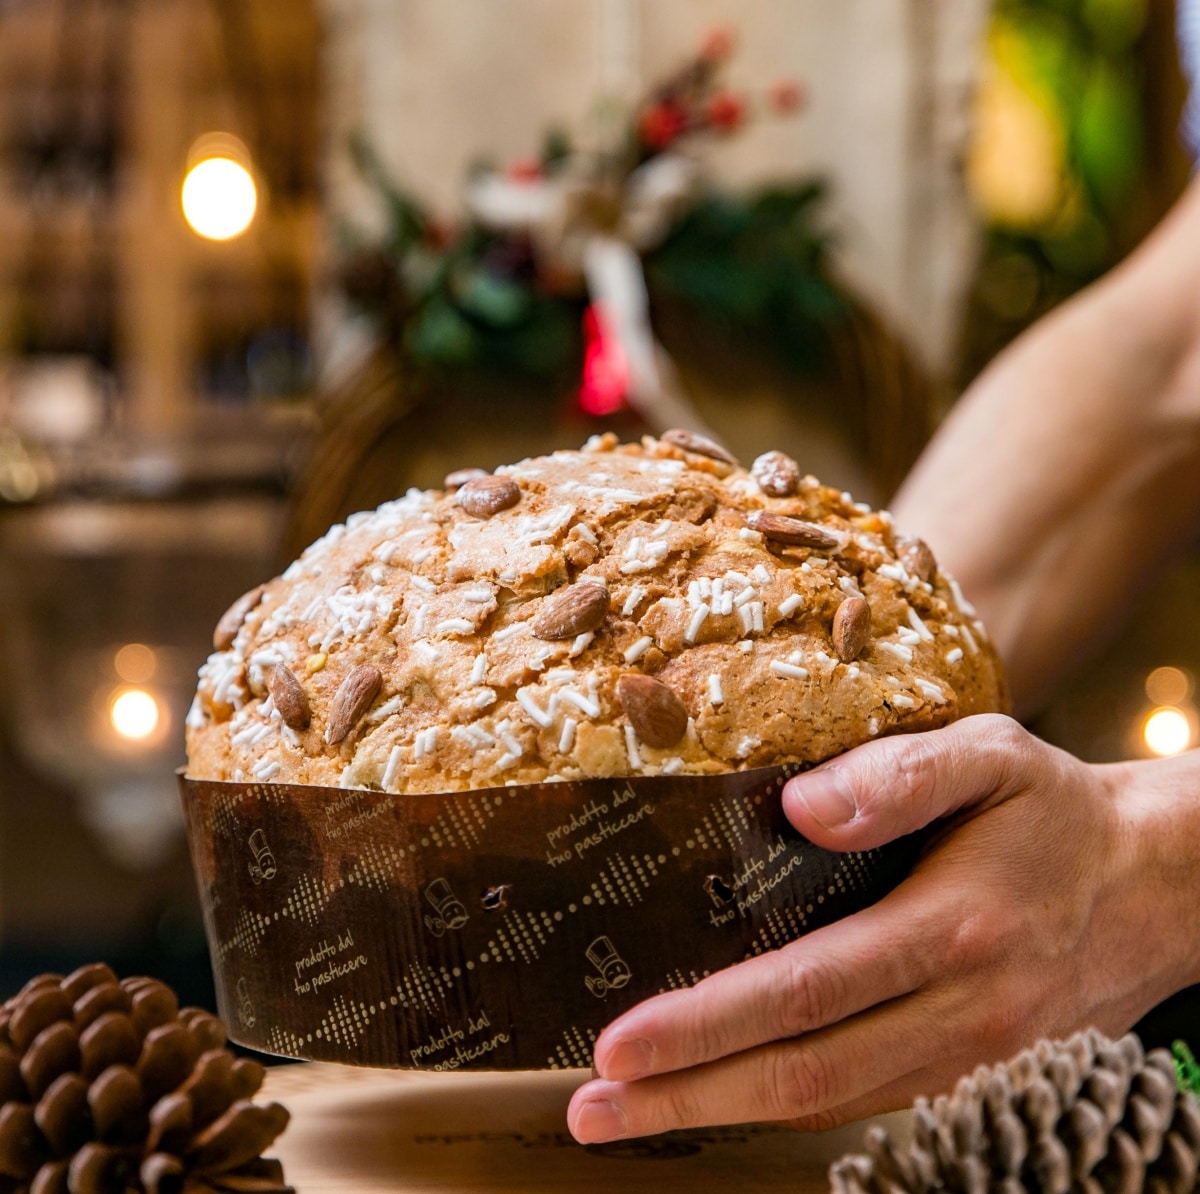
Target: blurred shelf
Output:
{"points": [[103, 263], [215, 450]]}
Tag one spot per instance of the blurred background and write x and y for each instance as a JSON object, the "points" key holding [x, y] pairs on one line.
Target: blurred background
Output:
{"points": [[263, 262]]}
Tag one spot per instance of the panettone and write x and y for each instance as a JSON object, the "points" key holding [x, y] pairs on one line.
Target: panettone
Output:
{"points": [[626, 609]]}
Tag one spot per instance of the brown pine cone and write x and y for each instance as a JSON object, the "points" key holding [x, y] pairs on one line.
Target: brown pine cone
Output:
{"points": [[1087, 1114], [107, 1087]]}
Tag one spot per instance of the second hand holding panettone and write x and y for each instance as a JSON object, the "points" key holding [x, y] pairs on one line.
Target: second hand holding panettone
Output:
{"points": [[970, 958], [1054, 897]]}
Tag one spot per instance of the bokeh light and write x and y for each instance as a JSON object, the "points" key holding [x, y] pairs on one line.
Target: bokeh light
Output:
{"points": [[1167, 731], [135, 714], [1015, 167], [135, 663], [1168, 686], [219, 198]]}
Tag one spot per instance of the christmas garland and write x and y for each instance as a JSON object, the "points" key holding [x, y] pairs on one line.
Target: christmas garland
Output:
{"points": [[562, 259]]}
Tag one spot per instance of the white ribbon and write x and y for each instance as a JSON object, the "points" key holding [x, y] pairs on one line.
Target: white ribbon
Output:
{"points": [[581, 223]]}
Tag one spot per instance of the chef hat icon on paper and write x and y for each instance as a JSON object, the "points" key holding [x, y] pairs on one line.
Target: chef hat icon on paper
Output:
{"points": [[451, 913], [613, 970], [245, 1006], [262, 865]]}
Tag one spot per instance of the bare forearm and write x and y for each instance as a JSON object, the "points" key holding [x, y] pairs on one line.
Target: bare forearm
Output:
{"points": [[1074, 462]]}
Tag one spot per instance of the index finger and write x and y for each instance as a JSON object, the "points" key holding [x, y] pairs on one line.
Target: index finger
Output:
{"points": [[826, 976]]}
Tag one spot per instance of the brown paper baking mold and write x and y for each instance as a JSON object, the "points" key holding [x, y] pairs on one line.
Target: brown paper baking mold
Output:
{"points": [[501, 928]]}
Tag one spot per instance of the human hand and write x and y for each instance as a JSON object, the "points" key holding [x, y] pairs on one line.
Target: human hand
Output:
{"points": [[1041, 907]]}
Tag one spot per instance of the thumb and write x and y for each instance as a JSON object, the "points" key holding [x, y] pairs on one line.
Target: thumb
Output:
{"points": [[885, 789]]}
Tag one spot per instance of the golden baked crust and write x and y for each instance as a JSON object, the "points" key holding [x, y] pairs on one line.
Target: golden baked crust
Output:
{"points": [[446, 642]]}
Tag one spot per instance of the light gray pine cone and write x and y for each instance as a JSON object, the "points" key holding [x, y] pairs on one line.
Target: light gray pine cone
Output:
{"points": [[107, 1087], [1086, 1115]]}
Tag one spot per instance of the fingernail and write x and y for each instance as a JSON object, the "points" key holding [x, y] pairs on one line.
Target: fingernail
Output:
{"points": [[827, 797], [599, 1120], [628, 1060]]}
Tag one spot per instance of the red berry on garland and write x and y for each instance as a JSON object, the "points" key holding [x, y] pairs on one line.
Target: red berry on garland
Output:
{"points": [[717, 44], [725, 111], [524, 170], [661, 124], [786, 95]]}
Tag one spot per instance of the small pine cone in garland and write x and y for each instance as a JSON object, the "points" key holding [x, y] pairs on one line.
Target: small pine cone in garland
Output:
{"points": [[108, 1087], [1086, 1115]]}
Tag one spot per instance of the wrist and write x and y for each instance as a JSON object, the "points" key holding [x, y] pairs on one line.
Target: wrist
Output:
{"points": [[1159, 811]]}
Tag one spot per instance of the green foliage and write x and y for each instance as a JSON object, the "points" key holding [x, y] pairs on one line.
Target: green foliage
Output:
{"points": [[440, 334], [406, 218], [757, 267], [474, 299], [1080, 57], [556, 148], [1115, 24], [1187, 1070], [463, 302], [477, 301], [1080, 61], [473, 319], [1108, 135]]}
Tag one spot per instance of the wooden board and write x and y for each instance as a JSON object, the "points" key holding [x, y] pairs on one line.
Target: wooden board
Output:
{"points": [[377, 1131]]}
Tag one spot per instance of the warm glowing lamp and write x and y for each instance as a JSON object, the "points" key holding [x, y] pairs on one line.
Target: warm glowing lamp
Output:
{"points": [[219, 193], [1167, 731], [135, 714]]}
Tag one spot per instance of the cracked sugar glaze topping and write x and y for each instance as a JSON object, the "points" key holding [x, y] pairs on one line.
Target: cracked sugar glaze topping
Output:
{"points": [[626, 609]]}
